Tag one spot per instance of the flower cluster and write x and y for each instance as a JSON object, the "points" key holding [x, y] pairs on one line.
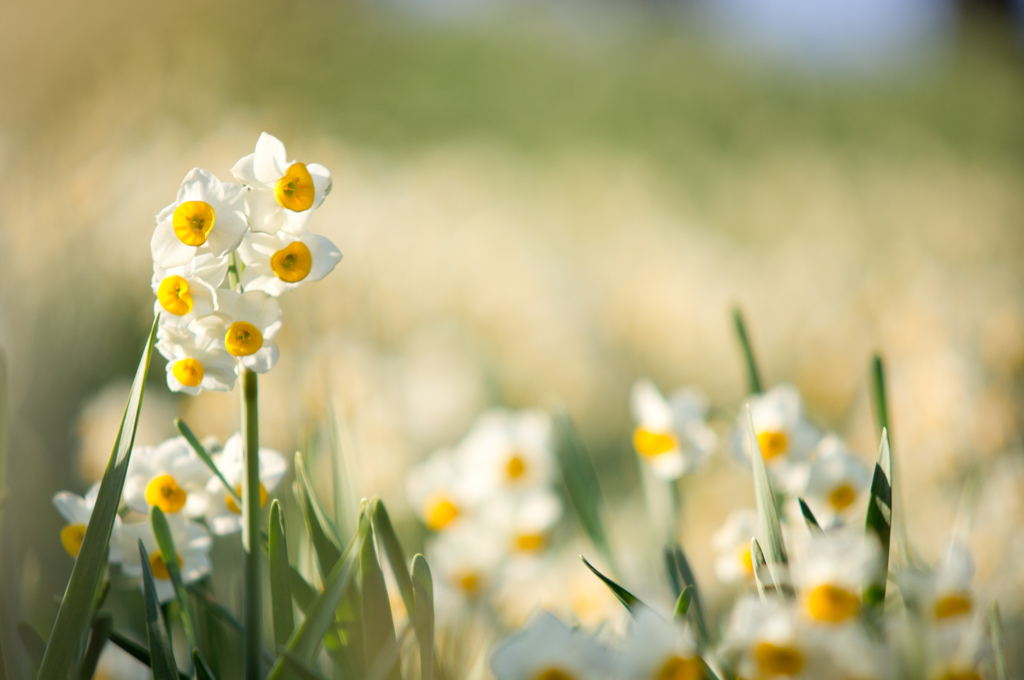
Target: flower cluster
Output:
{"points": [[490, 501], [196, 500], [223, 253]]}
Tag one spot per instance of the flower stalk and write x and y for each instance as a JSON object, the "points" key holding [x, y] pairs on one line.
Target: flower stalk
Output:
{"points": [[251, 526]]}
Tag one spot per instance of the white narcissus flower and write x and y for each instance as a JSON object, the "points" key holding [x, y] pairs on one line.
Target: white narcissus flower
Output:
{"points": [[785, 436], [546, 650], [830, 571], [439, 491], [188, 292], [524, 518], [170, 476], [223, 514], [77, 511], [245, 326], [191, 541], [508, 450], [837, 480], [207, 218], [275, 263], [733, 562], [943, 593], [466, 560], [671, 435], [282, 194], [658, 650], [195, 363]]}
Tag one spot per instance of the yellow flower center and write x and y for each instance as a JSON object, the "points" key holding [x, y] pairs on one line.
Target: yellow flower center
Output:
{"points": [[681, 668], [439, 511], [292, 263], [831, 604], [243, 339], [778, 659], [745, 559], [295, 190], [159, 567], [174, 296], [842, 497], [163, 492], [553, 674], [229, 500], [772, 444], [530, 542], [469, 582], [71, 537], [653, 444], [516, 467], [193, 221], [956, 604], [189, 372]]}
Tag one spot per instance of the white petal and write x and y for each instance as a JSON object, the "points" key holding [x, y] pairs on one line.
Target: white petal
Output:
{"points": [[270, 159], [322, 183], [263, 360], [167, 248], [325, 256], [244, 171]]}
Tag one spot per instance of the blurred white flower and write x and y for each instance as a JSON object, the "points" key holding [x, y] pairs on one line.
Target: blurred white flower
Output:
{"points": [[191, 541], [245, 325], [466, 561], [769, 640], [223, 514], [943, 593], [508, 450], [837, 480], [439, 492], [658, 650], [282, 194], [523, 518], [829, 572], [207, 217], [546, 650], [77, 511], [195, 363], [733, 562], [188, 292], [169, 476], [672, 436], [275, 263]]}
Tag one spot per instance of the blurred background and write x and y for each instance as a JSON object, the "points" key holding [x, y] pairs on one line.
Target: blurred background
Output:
{"points": [[538, 202]]}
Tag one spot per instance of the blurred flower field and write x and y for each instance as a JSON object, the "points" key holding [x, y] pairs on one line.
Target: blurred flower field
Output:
{"points": [[535, 213]]}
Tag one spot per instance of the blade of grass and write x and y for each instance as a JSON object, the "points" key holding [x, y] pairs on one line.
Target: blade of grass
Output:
{"points": [[378, 625], [683, 603], [135, 650], [298, 668], [754, 384], [320, 533], [995, 629], [685, 574], [212, 608], [101, 627], [344, 510], [75, 612], [628, 599], [161, 656], [203, 671], [423, 593], [582, 486], [768, 514], [280, 592], [32, 642], [879, 522], [385, 533], [760, 566], [169, 554], [809, 518], [880, 400], [204, 456]]}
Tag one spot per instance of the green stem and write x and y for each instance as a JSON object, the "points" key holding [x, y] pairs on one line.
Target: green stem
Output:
{"points": [[676, 509], [251, 527], [753, 376]]}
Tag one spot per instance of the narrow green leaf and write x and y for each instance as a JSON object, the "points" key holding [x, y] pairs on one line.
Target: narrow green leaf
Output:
{"points": [[683, 603], [204, 456], [169, 554], [880, 401], [5, 422], [324, 541], [160, 654], [812, 521], [280, 592], [32, 642], [203, 671], [296, 666], [75, 612], [760, 566], [768, 515], [423, 592], [628, 599], [135, 650], [685, 575], [379, 628], [582, 486], [995, 630], [341, 464], [754, 384], [101, 627], [210, 607], [879, 522], [385, 533]]}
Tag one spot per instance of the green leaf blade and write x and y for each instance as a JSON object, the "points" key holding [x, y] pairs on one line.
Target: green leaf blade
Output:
{"points": [[161, 658], [379, 639], [582, 486], [423, 591], [280, 590], [879, 523], [628, 599], [169, 554], [768, 522]]}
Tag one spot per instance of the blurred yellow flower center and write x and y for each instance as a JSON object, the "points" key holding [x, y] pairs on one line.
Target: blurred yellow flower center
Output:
{"points": [[229, 500], [173, 295], [842, 497], [953, 605], [243, 339], [553, 674], [163, 492], [516, 467], [292, 263], [653, 444], [778, 659], [529, 542], [159, 567], [71, 536], [469, 582], [439, 511], [295, 190], [680, 668], [745, 559], [189, 372], [772, 444], [831, 604], [192, 222]]}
